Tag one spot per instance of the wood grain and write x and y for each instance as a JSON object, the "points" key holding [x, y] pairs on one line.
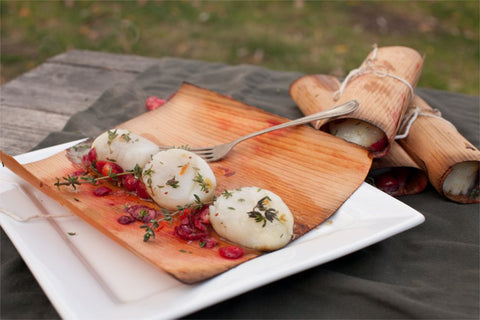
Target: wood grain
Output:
{"points": [[312, 171], [60, 87]]}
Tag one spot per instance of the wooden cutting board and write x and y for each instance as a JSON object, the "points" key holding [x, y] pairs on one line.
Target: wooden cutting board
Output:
{"points": [[312, 171]]}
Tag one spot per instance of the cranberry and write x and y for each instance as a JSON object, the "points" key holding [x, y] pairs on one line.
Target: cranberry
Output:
{"points": [[153, 103], [90, 158], [126, 219], [186, 232], [204, 214], [110, 168], [141, 190], [379, 145], [102, 191], [129, 182], [92, 155], [231, 252], [142, 213], [193, 225], [209, 243], [99, 165], [387, 183]]}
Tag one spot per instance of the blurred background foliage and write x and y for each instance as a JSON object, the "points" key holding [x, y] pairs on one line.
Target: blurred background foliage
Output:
{"points": [[329, 37]]}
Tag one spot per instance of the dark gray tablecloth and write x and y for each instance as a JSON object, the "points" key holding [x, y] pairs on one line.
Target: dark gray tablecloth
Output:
{"points": [[429, 272]]}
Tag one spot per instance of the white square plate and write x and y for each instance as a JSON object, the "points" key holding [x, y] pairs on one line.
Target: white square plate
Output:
{"points": [[86, 275]]}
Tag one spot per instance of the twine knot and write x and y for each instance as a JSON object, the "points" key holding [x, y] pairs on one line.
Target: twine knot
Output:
{"points": [[370, 67]]}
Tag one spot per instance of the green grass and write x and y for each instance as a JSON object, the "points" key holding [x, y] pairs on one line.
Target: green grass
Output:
{"points": [[330, 37]]}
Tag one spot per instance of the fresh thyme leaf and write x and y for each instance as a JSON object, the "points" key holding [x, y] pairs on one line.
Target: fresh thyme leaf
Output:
{"points": [[137, 171], [201, 181], [150, 229], [269, 214], [126, 137], [226, 194], [148, 173], [111, 136], [173, 183]]}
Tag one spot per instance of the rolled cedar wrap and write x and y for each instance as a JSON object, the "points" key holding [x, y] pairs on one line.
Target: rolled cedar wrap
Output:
{"points": [[397, 173], [382, 85], [450, 160]]}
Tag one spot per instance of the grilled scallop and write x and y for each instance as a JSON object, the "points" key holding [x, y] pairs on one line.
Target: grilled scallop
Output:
{"points": [[359, 132], [124, 148], [252, 217], [177, 177], [462, 179]]}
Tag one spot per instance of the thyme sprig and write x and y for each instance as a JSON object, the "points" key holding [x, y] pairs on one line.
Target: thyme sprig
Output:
{"points": [[204, 185], [269, 214], [77, 180]]}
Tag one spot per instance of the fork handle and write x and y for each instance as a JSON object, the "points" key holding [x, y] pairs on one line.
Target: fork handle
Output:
{"points": [[336, 111]]}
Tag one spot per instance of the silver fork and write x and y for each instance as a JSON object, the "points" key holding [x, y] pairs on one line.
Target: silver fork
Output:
{"points": [[217, 152]]}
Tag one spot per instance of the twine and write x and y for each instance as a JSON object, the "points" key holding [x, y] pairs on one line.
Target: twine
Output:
{"points": [[37, 216], [412, 115], [370, 67]]}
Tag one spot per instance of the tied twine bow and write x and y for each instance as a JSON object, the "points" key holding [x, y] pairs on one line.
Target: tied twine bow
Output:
{"points": [[380, 71], [412, 115], [370, 67]]}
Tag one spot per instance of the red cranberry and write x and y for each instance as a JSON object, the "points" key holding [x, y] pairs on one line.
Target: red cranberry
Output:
{"points": [[142, 213], [141, 190], [209, 243], [92, 155], [129, 182], [231, 252], [387, 183], [90, 158], [186, 232], [153, 103], [99, 165], [126, 219], [102, 191], [379, 145], [110, 168]]}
